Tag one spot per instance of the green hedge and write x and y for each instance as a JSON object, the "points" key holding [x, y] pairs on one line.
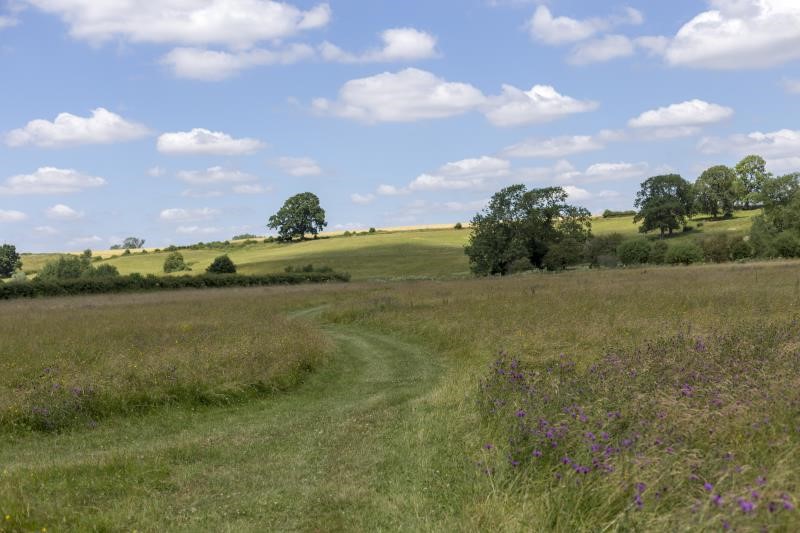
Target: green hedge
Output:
{"points": [[134, 283]]}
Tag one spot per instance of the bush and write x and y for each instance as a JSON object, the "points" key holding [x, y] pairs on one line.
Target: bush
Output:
{"points": [[634, 252], [787, 245], [716, 249], [458, 226], [137, 282], [175, 263], [740, 249], [601, 251], [520, 265], [563, 254], [102, 271], [65, 267], [19, 277], [615, 214], [684, 253], [372, 230], [222, 265], [658, 253]]}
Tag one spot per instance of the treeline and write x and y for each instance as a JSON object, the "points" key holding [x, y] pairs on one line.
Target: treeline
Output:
{"points": [[138, 283], [524, 229]]}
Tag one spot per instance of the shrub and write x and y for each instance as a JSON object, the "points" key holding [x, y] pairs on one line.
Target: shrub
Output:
{"points": [[102, 271], [787, 245], [127, 251], [634, 252], [604, 247], [372, 230], [658, 253], [65, 267], [716, 249], [562, 254], [10, 260], [174, 263], [608, 213], [684, 253], [19, 277], [740, 249], [688, 229], [222, 265], [520, 265], [458, 226]]}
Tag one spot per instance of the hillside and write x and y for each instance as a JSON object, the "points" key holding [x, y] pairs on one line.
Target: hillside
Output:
{"points": [[390, 254]]}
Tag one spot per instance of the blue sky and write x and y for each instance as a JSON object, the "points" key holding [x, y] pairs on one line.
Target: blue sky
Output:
{"points": [[193, 120]]}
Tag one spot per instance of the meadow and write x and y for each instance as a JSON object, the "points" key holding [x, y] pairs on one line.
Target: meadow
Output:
{"points": [[385, 255], [418, 405]]}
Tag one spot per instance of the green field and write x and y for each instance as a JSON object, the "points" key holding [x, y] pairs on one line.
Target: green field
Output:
{"points": [[420, 254]]}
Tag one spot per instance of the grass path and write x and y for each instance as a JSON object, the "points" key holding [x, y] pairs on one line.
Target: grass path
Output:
{"points": [[344, 451]]}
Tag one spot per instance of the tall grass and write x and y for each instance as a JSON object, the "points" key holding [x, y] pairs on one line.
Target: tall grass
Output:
{"points": [[75, 362]]}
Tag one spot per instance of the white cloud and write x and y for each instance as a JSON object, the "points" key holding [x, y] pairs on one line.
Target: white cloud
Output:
{"points": [[552, 30], [201, 141], [214, 65], [792, 86], [685, 114], [177, 214], [197, 230], [362, 199], [405, 96], [50, 180], [299, 166], [556, 147], [214, 175], [12, 216], [103, 127], [576, 193], [464, 174], [84, 241], [156, 172], [250, 189], [541, 104], [784, 165], [603, 172], [399, 44], [777, 144], [45, 230], [7, 22], [63, 212], [737, 34], [391, 190], [236, 24], [195, 193], [601, 50], [653, 44]]}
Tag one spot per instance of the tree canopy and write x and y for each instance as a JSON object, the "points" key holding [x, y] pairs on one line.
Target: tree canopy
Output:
{"points": [[753, 176], [663, 203], [10, 260], [716, 191], [519, 224], [300, 215]]}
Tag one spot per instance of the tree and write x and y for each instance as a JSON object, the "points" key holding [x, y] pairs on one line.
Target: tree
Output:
{"points": [[752, 175], [132, 243], [10, 260], [300, 215], [65, 267], [663, 203], [716, 191], [222, 265], [519, 224], [174, 263]]}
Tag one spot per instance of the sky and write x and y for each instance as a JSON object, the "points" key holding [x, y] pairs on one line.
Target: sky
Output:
{"points": [[180, 121]]}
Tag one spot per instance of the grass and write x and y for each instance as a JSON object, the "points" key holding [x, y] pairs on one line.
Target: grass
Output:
{"points": [[412, 254], [389, 432]]}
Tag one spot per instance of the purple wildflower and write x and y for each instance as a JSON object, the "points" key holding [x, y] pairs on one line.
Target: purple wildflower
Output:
{"points": [[537, 453], [488, 446], [746, 505], [521, 413], [717, 499], [708, 486]]}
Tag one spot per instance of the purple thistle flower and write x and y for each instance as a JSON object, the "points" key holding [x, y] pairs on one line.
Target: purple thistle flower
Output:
{"points": [[488, 446], [746, 505], [537, 453], [708, 486], [520, 413], [717, 499], [638, 501], [566, 460], [726, 525], [640, 488], [761, 480]]}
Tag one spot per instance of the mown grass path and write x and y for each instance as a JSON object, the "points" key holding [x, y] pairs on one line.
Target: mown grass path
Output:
{"points": [[345, 451]]}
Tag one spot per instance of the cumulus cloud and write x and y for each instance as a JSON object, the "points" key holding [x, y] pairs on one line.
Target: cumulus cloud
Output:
{"points": [[792, 86], [63, 212], [50, 180], [85, 241], [405, 96], [7, 21], [779, 144], [542, 103], [362, 199], [250, 189], [681, 119], [546, 28], [736, 34], [201, 141], [464, 174], [399, 44], [601, 50], [237, 24], [196, 193], [214, 175], [45, 230], [102, 127], [198, 230], [215, 65], [177, 214], [12, 216], [604, 172], [562, 146], [391, 190], [299, 166]]}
